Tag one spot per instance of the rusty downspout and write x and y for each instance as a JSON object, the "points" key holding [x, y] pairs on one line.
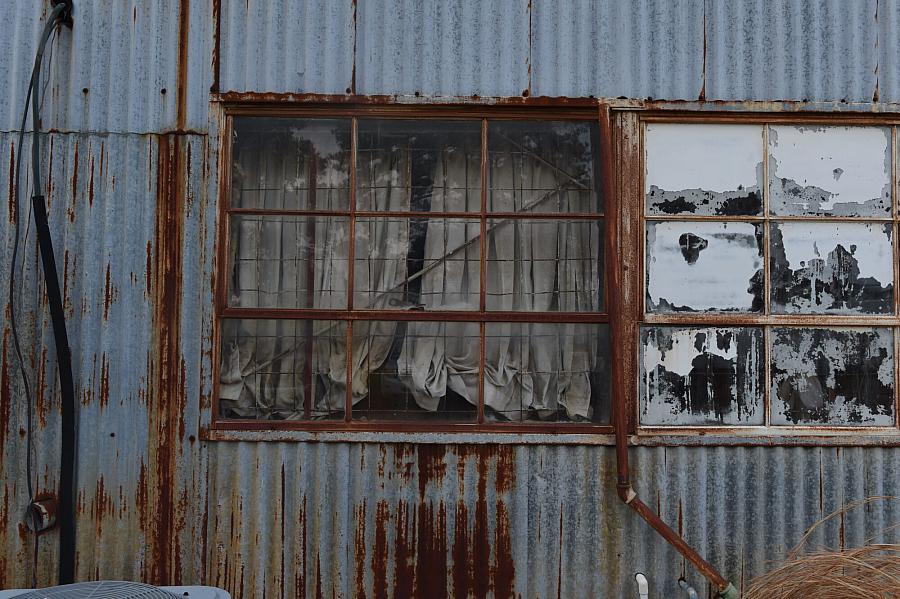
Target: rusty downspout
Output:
{"points": [[619, 405]]}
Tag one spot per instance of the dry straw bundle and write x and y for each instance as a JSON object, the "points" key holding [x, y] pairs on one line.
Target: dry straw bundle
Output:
{"points": [[868, 572]]}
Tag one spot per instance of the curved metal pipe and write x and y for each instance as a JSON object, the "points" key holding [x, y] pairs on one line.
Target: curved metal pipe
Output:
{"points": [[619, 415]]}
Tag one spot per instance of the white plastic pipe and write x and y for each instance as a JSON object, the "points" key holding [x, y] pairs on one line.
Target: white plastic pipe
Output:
{"points": [[643, 586]]}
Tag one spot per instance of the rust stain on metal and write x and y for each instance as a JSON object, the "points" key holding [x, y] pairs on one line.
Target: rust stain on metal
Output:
{"points": [[107, 294], [166, 401], [380, 551], [42, 399], [5, 399], [104, 381], [217, 40], [74, 178], [91, 181], [181, 91], [360, 544], [12, 183]]}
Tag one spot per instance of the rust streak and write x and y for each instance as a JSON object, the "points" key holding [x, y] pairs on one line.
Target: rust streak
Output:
{"points": [[107, 294], [5, 398], [182, 87], [12, 183], [104, 381], [166, 400]]}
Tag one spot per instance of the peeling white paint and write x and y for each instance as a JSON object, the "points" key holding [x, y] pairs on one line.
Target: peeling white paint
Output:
{"points": [[850, 164], [720, 277], [710, 157]]}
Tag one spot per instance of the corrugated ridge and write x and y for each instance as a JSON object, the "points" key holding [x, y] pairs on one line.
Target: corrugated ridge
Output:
{"points": [[372, 519], [783, 50], [618, 49], [287, 46], [124, 54], [433, 48]]}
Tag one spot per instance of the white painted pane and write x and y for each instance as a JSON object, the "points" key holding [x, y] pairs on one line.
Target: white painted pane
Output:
{"points": [[837, 268], [840, 171], [704, 266], [701, 376], [703, 169], [832, 376]]}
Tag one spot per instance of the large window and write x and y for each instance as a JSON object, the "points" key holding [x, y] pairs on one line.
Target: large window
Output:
{"points": [[385, 270], [451, 268], [769, 275]]}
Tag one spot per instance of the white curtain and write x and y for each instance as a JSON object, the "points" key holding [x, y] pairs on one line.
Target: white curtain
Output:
{"points": [[531, 266], [268, 366]]}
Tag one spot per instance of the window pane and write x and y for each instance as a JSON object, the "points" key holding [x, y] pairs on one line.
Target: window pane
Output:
{"points": [[549, 265], [832, 376], [415, 371], [423, 165], [270, 367], [290, 164], [701, 376], [704, 169], [417, 263], [288, 262], [547, 372], [838, 171], [704, 266], [838, 268], [543, 166]]}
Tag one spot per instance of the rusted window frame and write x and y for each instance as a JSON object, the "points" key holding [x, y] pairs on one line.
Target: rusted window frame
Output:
{"points": [[591, 111], [630, 183]]}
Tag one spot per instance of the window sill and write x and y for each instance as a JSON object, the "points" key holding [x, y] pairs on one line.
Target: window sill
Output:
{"points": [[683, 438]]}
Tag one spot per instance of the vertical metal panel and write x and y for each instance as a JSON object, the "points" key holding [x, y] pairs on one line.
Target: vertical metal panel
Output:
{"points": [[103, 193], [373, 520], [123, 67], [615, 49], [784, 50], [287, 45], [457, 48]]}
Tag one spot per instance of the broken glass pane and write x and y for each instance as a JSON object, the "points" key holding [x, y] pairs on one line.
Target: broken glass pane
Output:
{"points": [[704, 266], [838, 268], [417, 264], [290, 164], [701, 376], [704, 169], [832, 376], [838, 171]]}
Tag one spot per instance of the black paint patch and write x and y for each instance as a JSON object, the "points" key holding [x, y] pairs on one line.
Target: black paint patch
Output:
{"points": [[691, 246], [829, 284], [789, 198], [694, 376], [832, 376], [740, 202]]}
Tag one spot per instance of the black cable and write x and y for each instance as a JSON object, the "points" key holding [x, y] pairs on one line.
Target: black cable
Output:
{"points": [[31, 94]]}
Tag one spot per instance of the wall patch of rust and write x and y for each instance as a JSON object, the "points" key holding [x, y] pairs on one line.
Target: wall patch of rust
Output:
{"points": [[837, 268], [166, 400], [700, 376], [832, 376]]}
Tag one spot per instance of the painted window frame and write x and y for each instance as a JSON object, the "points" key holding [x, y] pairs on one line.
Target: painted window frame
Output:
{"points": [[630, 181], [589, 111]]}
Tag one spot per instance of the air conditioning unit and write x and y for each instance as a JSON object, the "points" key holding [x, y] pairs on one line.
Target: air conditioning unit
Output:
{"points": [[115, 589]]}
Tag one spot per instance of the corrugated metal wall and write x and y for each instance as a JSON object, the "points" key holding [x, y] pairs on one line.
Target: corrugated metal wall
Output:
{"points": [[132, 186]]}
